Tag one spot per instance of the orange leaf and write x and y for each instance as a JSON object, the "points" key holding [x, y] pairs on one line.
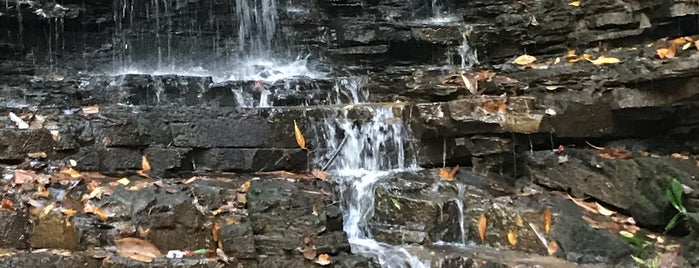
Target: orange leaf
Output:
{"points": [[323, 259], [490, 107], [552, 247], [448, 174], [69, 212], [137, 249], [547, 220], [72, 172], [7, 204], [502, 107], [300, 140], [482, 226], [512, 237], [145, 167]]}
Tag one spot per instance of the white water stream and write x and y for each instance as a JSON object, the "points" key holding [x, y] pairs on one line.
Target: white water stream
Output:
{"points": [[371, 151]]}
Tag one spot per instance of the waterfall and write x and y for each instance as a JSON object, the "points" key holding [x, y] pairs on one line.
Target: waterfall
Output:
{"points": [[367, 152]]}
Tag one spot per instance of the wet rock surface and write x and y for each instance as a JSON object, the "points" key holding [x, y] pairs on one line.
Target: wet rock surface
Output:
{"points": [[520, 132]]}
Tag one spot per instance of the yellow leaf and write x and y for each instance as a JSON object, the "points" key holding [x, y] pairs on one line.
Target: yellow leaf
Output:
{"points": [[519, 221], [512, 237], [482, 226], [605, 60], [323, 259], [524, 60], [73, 174], [552, 247], [69, 212], [575, 3], [687, 46], [300, 140], [570, 54], [547, 220], [604, 211], [123, 181]]}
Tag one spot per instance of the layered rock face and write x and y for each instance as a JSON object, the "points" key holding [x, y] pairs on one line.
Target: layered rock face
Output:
{"points": [[185, 84]]}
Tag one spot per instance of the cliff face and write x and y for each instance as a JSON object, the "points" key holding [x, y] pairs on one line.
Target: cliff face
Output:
{"points": [[185, 82]]}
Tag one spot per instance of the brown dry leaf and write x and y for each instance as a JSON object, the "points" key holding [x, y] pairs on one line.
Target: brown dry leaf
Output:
{"points": [[309, 253], [7, 204], [665, 53], [300, 140], [512, 237], [502, 107], [319, 174], [92, 185], [574, 3], [482, 227], [215, 231], [679, 156], [605, 60], [582, 57], [307, 240], [221, 255], [137, 249], [24, 176], [94, 109], [552, 247], [323, 259], [570, 54], [524, 60], [485, 75], [190, 180], [547, 220]]}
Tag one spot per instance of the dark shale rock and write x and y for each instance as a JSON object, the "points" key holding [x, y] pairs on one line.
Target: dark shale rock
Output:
{"points": [[14, 229], [635, 185], [238, 240]]}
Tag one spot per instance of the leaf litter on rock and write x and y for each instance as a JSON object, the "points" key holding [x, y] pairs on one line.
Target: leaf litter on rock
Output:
{"points": [[137, 249]]}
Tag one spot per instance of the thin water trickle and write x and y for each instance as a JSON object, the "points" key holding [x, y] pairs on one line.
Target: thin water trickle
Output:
{"points": [[368, 152]]}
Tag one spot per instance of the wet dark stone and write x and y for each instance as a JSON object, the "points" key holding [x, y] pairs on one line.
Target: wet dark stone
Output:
{"points": [[635, 185], [690, 243], [580, 243], [50, 260], [254, 160], [14, 229], [15, 144], [237, 240]]}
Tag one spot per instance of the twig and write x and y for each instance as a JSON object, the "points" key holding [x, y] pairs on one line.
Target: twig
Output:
{"points": [[337, 152]]}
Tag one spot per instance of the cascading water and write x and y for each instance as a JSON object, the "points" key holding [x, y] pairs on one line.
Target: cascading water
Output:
{"points": [[367, 152]]}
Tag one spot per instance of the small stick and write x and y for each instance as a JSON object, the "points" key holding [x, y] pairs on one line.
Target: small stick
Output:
{"points": [[337, 152]]}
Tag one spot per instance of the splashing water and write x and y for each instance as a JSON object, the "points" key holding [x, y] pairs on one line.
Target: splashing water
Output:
{"points": [[368, 152], [469, 56]]}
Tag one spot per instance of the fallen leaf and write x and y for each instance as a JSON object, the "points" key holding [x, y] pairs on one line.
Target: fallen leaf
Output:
{"points": [[574, 3], [123, 181], [95, 211], [300, 140], [547, 219], [145, 167], [605, 60], [36, 155], [244, 187], [448, 174], [604, 211], [550, 112], [524, 60], [319, 174], [190, 180], [679, 156], [87, 110], [72, 172], [470, 82], [665, 53], [7, 204], [323, 259], [482, 227], [582, 57], [552, 247], [519, 221], [309, 253], [570, 54], [24, 176], [215, 231], [69, 212], [137, 249], [72, 163], [143, 232], [307, 240], [687, 46], [485, 75], [221, 255], [502, 107], [512, 237]]}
